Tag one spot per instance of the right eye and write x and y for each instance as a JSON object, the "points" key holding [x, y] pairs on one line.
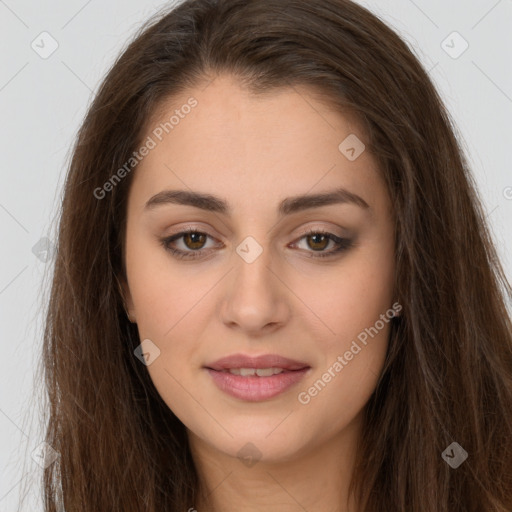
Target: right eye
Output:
{"points": [[193, 240]]}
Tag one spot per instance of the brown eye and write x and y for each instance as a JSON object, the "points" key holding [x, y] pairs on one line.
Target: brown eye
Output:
{"points": [[319, 241], [194, 240], [192, 244]]}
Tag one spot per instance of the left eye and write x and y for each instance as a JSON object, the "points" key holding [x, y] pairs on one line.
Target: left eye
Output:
{"points": [[193, 240], [318, 241]]}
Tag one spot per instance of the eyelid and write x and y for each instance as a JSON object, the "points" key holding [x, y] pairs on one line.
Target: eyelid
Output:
{"points": [[185, 228]]}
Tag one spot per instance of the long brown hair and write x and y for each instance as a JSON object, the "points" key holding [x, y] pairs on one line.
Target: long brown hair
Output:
{"points": [[448, 372]]}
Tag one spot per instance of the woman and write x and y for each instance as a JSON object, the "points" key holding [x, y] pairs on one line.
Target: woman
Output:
{"points": [[275, 289]]}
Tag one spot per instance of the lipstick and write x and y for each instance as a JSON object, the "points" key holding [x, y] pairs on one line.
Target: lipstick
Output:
{"points": [[256, 378]]}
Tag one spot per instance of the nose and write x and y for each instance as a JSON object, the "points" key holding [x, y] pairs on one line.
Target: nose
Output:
{"points": [[254, 299]]}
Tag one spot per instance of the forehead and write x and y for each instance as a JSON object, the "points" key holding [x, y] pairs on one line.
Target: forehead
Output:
{"points": [[283, 142], [224, 107]]}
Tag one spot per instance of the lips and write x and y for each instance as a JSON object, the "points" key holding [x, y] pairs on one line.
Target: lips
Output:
{"points": [[237, 361], [255, 379]]}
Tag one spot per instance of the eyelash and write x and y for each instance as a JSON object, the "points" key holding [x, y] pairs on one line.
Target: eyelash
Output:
{"points": [[343, 244]]}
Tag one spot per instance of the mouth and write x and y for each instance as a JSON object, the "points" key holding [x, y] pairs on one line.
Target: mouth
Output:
{"points": [[260, 372], [263, 362], [256, 379]]}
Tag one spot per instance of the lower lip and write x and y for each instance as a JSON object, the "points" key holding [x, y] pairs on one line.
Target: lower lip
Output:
{"points": [[254, 388]]}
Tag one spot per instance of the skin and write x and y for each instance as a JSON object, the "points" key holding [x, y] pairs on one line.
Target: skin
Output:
{"points": [[253, 152]]}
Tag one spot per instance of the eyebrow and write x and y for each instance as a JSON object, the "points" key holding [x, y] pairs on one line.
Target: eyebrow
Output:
{"points": [[287, 206]]}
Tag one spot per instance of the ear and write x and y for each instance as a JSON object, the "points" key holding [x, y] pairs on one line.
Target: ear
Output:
{"points": [[126, 297]]}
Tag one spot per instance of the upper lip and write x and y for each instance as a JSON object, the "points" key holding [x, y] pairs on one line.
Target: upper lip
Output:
{"points": [[264, 361]]}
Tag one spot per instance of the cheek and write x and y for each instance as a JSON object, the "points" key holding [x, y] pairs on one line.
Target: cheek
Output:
{"points": [[162, 293], [350, 297], [354, 306], [338, 393], [352, 357], [170, 311]]}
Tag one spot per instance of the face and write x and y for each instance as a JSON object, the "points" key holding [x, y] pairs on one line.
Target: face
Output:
{"points": [[259, 272]]}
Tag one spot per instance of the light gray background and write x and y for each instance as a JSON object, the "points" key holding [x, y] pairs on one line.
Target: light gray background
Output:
{"points": [[43, 101]]}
